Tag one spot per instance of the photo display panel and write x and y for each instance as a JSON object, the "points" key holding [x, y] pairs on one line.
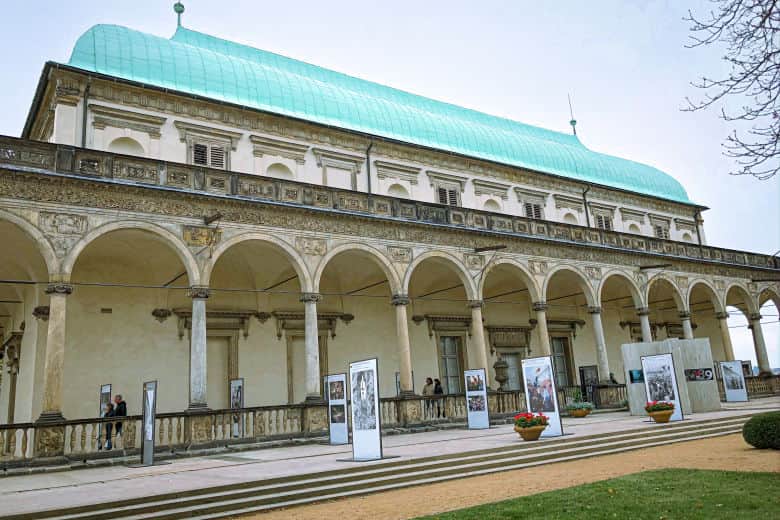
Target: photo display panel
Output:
{"points": [[733, 381], [149, 400], [541, 395], [476, 399], [661, 382], [336, 395], [105, 398], [364, 394], [237, 402]]}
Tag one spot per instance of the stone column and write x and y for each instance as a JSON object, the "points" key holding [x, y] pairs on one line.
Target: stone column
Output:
{"points": [[55, 352], [759, 344], [601, 344], [644, 322], [541, 324], [198, 350], [723, 322], [478, 337], [400, 301], [312, 344], [685, 317]]}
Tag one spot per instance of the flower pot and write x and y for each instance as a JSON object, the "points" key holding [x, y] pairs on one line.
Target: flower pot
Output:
{"points": [[530, 433], [662, 416], [579, 412]]}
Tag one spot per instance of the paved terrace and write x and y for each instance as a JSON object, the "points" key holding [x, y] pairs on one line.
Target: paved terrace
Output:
{"points": [[35, 492]]}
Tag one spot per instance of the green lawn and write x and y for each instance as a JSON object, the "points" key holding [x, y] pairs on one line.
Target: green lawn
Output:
{"points": [[654, 495]]}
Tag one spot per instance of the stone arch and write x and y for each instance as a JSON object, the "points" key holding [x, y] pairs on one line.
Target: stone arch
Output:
{"points": [[370, 252], [771, 294], [570, 218], [41, 242], [285, 248], [633, 288], [709, 288], [523, 273], [279, 171], [749, 301], [457, 265], [127, 145], [679, 299], [587, 289], [396, 190], [185, 255]]}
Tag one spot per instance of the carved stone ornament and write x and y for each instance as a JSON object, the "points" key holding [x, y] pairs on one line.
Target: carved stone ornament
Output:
{"points": [[474, 262], [721, 315], [312, 245], [199, 292], [538, 266], [684, 315], [161, 314], [62, 223], [400, 299], [201, 236], [594, 310], [643, 311], [310, 297], [41, 312], [539, 306], [400, 254], [593, 272], [59, 288]]}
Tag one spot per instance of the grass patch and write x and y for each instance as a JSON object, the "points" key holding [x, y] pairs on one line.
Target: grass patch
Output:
{"points": [[668, 494]]}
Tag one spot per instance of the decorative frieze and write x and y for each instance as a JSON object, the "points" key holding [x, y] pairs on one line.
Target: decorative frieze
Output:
{"points": [[400, 254], [62, 223], [104, 116]]}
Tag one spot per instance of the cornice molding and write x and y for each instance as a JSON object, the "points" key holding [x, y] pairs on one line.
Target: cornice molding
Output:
{"points": [[491, 188], [186, 129], [262, 145], [391, 170]]}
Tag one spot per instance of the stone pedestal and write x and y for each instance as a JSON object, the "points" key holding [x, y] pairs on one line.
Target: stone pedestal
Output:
{"points": [[315, 419], [49, 441], [410, 411], [198, 429]]}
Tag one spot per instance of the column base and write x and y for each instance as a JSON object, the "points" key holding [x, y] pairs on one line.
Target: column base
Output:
{"points": [[50, 417], [197, 408], [315, 399]]}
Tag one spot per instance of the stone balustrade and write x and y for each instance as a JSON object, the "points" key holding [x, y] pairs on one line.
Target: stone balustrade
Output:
{"points": [[79, 440], [33, 156]]}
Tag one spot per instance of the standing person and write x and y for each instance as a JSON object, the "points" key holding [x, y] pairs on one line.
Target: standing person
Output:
{"points": [[110, 412], [426, 392], [438, 390], [119, 411]]}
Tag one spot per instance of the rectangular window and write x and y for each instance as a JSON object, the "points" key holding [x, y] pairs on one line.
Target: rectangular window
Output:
{"points": [[661, 231], [450, 363], [603, 222], [447, 196], [211, 155], [560, 359], [533, 210]]}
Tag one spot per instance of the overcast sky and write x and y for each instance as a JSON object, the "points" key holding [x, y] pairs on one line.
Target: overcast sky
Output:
{"points": [[623, 62]]}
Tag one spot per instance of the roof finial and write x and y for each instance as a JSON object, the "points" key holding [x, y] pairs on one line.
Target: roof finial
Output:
{"points": [[572, 121], [178, 8]]}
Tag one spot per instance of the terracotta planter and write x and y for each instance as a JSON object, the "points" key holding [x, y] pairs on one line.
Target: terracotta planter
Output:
{"points": [[580, 412], [530, 433], [661, 417]]}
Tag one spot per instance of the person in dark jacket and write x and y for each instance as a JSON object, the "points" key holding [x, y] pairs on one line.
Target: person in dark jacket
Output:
{"points": [[119, 411], [110, 412], [438, 390]]}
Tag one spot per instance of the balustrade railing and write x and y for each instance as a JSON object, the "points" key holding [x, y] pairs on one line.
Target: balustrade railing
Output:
{"points": [[88, 438]]}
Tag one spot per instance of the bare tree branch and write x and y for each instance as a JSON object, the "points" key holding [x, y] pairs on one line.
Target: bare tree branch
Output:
{"points": [[750, 32]]}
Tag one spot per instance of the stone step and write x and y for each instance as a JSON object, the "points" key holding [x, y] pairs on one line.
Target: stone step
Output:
{"points": [[273, 493]]}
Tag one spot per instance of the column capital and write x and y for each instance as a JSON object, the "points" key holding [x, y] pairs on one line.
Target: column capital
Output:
{"points": [[309, 297], [476, 304], [594, 309], [754, 316], [199, 292], [684, 315], [41, 313], [59, 288], [643, 311], [539, 306], [721, 315], [400, 299]]}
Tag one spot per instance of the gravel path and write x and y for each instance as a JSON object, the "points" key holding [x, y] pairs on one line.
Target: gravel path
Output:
{"points": [[726, 453]]}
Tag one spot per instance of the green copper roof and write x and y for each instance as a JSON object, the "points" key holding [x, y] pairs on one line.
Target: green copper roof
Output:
{"points": [[204, 65]]}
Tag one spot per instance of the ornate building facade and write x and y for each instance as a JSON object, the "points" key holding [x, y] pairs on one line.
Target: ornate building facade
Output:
{"points": [[191, 211]]}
